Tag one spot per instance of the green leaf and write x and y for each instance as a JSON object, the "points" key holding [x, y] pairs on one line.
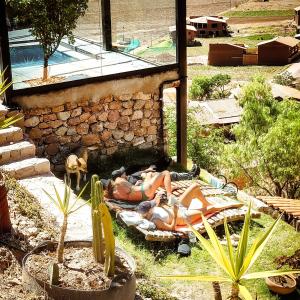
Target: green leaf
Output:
{"points": [[245, 292], [196, 278], [243, 242], [272, 273], [223, 259], [257, 248], [229, 246]]}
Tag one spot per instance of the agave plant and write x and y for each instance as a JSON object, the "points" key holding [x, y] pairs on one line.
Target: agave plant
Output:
{"points": [[4, 85], [235, 264], [64, 206]]}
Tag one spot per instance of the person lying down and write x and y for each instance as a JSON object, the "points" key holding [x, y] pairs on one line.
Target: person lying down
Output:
{"points": [[187, 210]]}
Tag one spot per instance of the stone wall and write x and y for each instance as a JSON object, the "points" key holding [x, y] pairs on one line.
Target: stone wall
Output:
{"points": [[106, 124]]}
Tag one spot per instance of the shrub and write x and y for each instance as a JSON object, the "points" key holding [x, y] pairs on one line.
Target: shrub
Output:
{"points": [[284, 78], [204, 87]]}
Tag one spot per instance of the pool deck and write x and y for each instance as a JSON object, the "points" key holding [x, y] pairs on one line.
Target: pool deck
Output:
{"points": [[93, 61]]}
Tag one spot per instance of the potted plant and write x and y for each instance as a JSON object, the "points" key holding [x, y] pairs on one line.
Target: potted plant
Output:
{"points": [[81, 269], [235, 266], [281, 285]]}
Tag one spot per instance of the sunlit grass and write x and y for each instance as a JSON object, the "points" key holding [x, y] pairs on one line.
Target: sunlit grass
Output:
{"points": [[241, 73], [161, 259], [260, 13]]}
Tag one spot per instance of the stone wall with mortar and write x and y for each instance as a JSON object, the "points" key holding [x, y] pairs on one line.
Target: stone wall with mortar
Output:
{"points": [[96, 117]]}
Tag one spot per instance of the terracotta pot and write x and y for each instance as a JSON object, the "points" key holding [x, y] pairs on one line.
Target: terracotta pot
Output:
{"points": [[125, 291], [278, 288]]}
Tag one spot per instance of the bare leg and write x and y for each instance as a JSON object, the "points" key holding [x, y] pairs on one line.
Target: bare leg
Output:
{"points": [[163, 179], [84, 177], [78, 181], [193, 192]]}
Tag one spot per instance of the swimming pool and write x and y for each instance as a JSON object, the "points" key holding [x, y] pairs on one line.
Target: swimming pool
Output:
{"points": [[33, 55]]}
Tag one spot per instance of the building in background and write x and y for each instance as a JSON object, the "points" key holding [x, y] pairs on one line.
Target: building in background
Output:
{"points": [[209, 26], [191, 33]]}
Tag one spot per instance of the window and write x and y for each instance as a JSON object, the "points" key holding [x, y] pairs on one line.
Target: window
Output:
{"points": [[143, 36], [214, 25]]}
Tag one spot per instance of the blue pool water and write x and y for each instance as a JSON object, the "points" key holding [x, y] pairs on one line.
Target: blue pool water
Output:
{"points": [[32, 55]]}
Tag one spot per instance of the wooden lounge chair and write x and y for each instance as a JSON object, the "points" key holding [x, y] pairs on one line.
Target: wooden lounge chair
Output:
{"points": [[214, 195]]}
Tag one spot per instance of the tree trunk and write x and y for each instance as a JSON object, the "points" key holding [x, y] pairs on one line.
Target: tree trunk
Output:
{"points": [[45, 70], [234, 292], [217, 290], [5, 224], [61, 242]]}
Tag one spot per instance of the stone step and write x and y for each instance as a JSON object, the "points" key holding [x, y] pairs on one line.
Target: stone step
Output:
{"points": [[27, 168], [3, 111], [10, 134], [16, 151]]}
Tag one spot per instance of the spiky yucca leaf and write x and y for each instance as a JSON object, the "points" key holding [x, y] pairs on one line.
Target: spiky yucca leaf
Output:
{"points": [[10, 121]]}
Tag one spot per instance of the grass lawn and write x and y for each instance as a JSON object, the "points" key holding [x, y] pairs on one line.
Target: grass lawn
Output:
{"points": [[260, 13], [158, 259], [240, 73]]}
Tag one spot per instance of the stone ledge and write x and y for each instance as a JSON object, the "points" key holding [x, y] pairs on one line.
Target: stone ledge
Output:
{"points": [[10, 134]]}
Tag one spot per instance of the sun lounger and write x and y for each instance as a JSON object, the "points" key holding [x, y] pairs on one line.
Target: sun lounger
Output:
{"points": [[213, 194]]}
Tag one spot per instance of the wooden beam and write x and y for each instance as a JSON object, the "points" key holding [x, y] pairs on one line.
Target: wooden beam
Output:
{"points": [[106, 25], [181, 91], [4, 50]]}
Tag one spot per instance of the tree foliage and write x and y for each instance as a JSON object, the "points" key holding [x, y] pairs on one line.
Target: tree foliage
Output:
{"points": [[206, 87], [285, 78], [267, 141], [50, 21], [204, 144]]}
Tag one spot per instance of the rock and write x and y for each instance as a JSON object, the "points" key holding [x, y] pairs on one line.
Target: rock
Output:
{"points": [[74, 121], [82, 128], [156, 105], [35, 133], [115, 105], [118, 134], [61, 131], [151, 138], [113, 116], [51, 139], [103, 116], [147, 113], [138, 141], [128, 136], [105, 135], [76, 112], [95, 128], [152, 130], [92, 119], [39, 111], [145, 123], [52, 149], [140, 131], [75, 138], [51, 117], [84, 117], [125, 97], [31, 231], [32, 122], [108, 99], [97, 107], [139, 104], [70, 105], [71, 131], [126, 112], [55, 124], [44, 125], [127, 104], [148, 104], [123, 127], [110, 125], [63, 116], [58, 108], [46, 131], [138, 114], [111, 150], [141, 96], [124, 120], [90, 139]]}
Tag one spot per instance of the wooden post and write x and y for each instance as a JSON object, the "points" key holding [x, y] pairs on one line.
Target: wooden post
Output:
{"points": [[106, 25], [181, 91], [4, 50]]}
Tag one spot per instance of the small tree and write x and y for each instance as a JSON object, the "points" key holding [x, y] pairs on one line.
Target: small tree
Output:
{"points": [[267, 141], [50, 21], [205, 87], [204, 144]]}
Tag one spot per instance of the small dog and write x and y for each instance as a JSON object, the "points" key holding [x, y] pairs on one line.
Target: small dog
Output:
{"points": [[77, 164]]}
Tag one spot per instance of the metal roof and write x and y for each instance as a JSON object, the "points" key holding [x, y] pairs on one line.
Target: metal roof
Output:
{"points": [[203, 20], [286, 40], [188, 27]]}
